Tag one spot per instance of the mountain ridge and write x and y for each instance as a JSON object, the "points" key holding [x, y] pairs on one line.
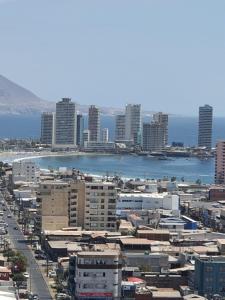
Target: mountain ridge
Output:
{"points": [[17, 100]]}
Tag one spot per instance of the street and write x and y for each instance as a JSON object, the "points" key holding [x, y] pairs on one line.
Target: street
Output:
{"points": [[36, 283]]}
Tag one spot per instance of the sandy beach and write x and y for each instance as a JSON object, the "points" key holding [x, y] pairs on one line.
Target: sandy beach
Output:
{"points": [[10, 156]]}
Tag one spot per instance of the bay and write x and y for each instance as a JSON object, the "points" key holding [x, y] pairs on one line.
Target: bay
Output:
{"points": [[129, 166]]}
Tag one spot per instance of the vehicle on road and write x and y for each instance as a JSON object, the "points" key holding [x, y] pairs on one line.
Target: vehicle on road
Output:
{"points": [[52, 274], [62, 296], [9, 216], [26, 275], [40, 256], [15, 228]]}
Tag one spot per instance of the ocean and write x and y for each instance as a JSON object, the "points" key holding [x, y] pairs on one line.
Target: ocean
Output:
{"points": [[181, 129]]}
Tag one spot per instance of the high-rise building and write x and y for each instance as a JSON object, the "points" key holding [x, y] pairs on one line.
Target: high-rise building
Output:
{"points": [[100, 209], [162, 119], [105, 135], [80, 129], [220, 163], [65, 124], [46, 128], [86, 137], [120, 128], [205, 126], [153, 137], [94, 123], [133, 123], [76, 203], [53, 197]]}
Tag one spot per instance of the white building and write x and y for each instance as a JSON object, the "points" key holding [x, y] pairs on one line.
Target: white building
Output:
{"points": [[133, 122], [100, 206], [105, 135], [86, 137], [98, 275], [24, 170], [65, 124], [147, 201]]}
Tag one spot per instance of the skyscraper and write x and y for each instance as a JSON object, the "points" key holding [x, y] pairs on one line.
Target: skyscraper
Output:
{"points": [[205, 126], [105, 135], [153, 137], [120, 128], [65, 124], [46, 128], [133, 122], [94, 123], [162, 119], [80, 129], [220, 163]]}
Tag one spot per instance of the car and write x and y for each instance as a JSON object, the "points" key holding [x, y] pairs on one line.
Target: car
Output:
{"points": [[15, 228], [4, 209], [62, 296], [38, 251], [9, 216], [26, 275], [52, 274]]}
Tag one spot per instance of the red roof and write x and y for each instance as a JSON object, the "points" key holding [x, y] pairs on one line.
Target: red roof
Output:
{"points": [[135, 279]]}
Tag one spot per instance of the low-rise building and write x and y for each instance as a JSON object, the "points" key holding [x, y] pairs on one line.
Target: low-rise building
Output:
{"points": [[147, 201], [98, 275]]}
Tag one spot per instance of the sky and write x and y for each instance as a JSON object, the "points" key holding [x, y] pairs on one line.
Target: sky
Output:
{"points": [[168, 55]]}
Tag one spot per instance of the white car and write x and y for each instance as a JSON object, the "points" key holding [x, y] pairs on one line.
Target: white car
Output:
{"points": [[26, 275], [52, 274]]}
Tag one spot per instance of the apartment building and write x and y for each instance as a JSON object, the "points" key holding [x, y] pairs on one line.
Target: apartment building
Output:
{"points": [[76, 203], [98, 275], [105, 135], [47, 128], [100, 207], [205, 126], [94, 123], [133, 123], [54, 201], [162, 119], [24, 170], [80, 129], [65, 124], [220, 163], [153, 137], [120, 128]]}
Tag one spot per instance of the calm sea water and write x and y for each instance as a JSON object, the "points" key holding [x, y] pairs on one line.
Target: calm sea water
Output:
{"points": [[129, 166]]}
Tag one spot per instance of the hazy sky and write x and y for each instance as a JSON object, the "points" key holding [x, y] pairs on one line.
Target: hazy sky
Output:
{"points": [[168, 55]]}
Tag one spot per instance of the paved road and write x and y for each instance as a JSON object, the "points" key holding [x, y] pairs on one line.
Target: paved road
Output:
{"points": [[38, 284]]}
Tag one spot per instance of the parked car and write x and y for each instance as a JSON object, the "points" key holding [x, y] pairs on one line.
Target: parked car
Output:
{"points": [[52, 274], [26, 275]]}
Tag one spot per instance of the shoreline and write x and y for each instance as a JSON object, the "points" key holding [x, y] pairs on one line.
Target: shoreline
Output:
{"points": [[10, 156]]}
